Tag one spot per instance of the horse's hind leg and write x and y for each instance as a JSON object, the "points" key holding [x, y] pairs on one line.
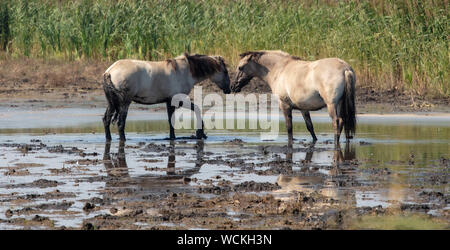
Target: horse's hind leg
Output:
{"points": [[107, 121], [337, 122], [111, 109], [123, 112], [309, 124]]}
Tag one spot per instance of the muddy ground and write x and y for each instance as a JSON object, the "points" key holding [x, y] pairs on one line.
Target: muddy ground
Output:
{"points": [[233, 184]]}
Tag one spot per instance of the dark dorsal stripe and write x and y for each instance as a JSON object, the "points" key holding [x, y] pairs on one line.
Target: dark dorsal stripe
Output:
{"points": [[172, 62], [203, 65]]}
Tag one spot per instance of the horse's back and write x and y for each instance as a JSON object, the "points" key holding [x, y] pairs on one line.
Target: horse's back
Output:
{"points": [[146, 82], [128, 70], [311, 84]]}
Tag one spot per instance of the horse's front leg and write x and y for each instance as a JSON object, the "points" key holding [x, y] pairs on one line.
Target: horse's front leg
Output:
{"points": [[200, 134], [170, 111], [309, 124], [287, 111]]}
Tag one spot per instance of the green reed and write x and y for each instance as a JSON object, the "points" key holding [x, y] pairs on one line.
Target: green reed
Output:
{"points": [[391, 44]]}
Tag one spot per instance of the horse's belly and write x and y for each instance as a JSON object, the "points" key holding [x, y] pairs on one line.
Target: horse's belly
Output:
{"points": [[148, 100], [313, 103], [150, 92]]}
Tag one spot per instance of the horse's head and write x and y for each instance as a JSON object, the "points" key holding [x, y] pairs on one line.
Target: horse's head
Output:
{"points": [[221, 77], [212, 67], [246, 70]]}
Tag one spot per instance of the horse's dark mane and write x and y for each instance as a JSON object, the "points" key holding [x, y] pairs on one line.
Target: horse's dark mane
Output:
{"points": [[297, 58], [255, 55], [203, 65]]}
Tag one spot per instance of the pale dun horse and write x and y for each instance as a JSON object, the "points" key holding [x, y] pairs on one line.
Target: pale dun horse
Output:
{"points": [[304, 85], [147, 82]]}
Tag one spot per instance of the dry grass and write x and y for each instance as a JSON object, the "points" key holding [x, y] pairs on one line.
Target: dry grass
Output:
{"points": [[26, 73]]}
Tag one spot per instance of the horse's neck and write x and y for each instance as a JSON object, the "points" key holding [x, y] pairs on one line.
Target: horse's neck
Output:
{"points": [[185, 75], [198, 79], [271, 65]]}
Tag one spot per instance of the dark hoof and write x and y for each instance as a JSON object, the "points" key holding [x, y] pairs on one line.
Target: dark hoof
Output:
{"points": [[200, 134]]}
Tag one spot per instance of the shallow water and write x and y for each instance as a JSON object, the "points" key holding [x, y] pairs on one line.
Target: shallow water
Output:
{"points": [[393, 159]]}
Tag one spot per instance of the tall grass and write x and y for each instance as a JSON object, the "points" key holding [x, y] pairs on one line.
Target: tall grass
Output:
{"points": [[391, 44]]}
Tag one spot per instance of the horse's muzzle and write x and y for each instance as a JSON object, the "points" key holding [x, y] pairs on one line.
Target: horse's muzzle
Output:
{"points": [[238, 83], [235, 87]]}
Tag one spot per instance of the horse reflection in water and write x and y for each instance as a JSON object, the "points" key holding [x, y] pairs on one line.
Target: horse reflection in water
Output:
{"points": [[119, 176], [331, 181]]}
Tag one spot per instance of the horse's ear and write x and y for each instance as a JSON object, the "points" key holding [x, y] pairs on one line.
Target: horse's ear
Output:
{"points": [[186, 54]]}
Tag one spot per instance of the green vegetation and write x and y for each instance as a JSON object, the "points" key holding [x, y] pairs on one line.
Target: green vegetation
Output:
{"points": [[391, 44], [399, 222]]}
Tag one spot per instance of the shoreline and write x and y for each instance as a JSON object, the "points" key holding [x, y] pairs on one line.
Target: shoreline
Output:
{"points": [[39, 117]]}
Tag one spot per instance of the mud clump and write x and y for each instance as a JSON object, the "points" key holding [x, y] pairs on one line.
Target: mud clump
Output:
{"points": [[9, 213], [214, 190], [60, 206], [41, 183], [17, 172], [433, 196], [38, 218], [58, 171], [248, 186], [252, 186], [151, 147], [56, 194], [61, 149], [39, 208], [88, 226], [88, 206], [370, 210], [84, 162], [235, 141], [415, 207]]}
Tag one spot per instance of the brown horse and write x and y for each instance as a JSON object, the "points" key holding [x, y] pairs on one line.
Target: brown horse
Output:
{"points": [[148, 82], [304, 85]]}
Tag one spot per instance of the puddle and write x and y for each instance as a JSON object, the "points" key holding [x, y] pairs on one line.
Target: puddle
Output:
{"points": [[63, 158]]}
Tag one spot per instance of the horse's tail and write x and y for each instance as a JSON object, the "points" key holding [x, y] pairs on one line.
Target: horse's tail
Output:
{"points": [[348, 109], [111, 95]]}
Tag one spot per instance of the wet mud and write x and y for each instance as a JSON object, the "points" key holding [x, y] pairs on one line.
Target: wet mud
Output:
{"points": [[396, 171]]}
